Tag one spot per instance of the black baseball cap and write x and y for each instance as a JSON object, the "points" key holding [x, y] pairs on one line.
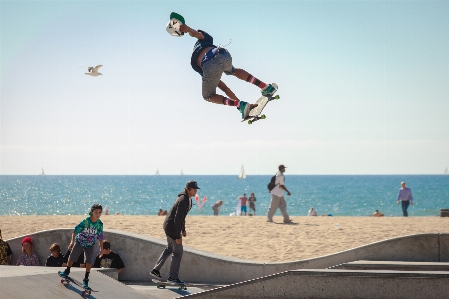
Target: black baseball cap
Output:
{"points": [[281, 167], [192, 185]]}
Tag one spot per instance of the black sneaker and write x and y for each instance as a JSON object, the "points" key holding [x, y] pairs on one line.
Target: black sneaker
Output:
{"points": [[156, 273], [175, 281]]}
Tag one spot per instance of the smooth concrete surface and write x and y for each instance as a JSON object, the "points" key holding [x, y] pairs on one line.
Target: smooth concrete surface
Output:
{"points": [[393, 265], [140, 252], [44, 283], [338, 284], [170, 292]]}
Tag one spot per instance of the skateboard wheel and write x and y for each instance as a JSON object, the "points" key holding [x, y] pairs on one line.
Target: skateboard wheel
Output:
{"points": [[277, 97], [83, 293], [263, 116], [249, 122]]}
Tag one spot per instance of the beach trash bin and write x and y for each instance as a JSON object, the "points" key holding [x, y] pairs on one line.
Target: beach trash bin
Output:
{"points": [[444, 212]]}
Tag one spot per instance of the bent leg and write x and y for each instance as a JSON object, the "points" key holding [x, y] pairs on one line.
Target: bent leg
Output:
{"points": [[165, 254], [245, 76]]}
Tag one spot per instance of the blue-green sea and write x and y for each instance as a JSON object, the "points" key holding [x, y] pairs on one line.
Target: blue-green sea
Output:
{"points": [[339, 195]]}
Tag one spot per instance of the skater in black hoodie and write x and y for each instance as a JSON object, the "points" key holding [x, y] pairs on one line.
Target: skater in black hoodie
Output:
{"points": [[174, 227]]}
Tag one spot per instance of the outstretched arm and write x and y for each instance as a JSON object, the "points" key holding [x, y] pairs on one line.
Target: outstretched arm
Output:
{"points": [[192, 32]]}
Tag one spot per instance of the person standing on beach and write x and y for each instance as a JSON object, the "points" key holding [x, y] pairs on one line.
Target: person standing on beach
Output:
{"points": [[84, 237], [174, 227], [243, 200], [277, 197], [252, 203], [405, 196]]}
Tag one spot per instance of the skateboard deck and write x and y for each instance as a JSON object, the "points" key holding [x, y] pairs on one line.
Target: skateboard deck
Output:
{"points": [[254, 114], [162, 284], [68, 280]]}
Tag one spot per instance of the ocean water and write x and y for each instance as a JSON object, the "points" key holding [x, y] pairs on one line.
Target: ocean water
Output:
{"points": [[339, 195]]}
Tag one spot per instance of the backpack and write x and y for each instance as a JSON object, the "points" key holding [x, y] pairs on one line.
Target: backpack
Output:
{"points": [[3, 253], [272, 183]]}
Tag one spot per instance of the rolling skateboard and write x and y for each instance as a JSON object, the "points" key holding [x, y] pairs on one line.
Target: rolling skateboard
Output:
{"points": [[68, 280], [254, 114], [162, 284]]}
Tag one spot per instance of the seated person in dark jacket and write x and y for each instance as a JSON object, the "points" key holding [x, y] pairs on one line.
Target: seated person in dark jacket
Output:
{"points": [[109, 259], [79, 262], [56, 258]]}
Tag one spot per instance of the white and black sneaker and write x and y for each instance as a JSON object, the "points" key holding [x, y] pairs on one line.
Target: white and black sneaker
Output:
{"points": [[175, 281], [156, 273]]}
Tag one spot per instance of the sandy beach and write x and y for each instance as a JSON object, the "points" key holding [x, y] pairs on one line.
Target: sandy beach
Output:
{"points": [[251, 237]]}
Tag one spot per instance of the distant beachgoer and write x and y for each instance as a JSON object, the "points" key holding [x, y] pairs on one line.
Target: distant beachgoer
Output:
{"points": [[56, 259], [106, 210], [28, 257], [405, 196], [216, 207], [162, 212], [378, 214], [277, 197], [252, 203], [243, 200], [312, 212]]}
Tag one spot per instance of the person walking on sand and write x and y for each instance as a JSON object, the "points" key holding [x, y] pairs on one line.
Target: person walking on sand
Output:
{"points": [[405, 197], [84, 238], [174, 227], [211, 62], [277, 197]]}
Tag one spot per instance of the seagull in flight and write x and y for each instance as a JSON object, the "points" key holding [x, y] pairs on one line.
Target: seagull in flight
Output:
{"points": [[93, 71]]}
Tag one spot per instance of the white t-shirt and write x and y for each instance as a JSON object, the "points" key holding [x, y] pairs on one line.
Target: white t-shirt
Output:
{"points": [[278, 191]]}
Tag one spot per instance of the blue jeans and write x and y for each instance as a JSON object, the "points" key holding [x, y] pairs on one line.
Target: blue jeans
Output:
{"points": [[176, 251], [405, 205]]}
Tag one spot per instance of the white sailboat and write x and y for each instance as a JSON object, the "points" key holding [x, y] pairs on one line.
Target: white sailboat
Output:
{"points": [[446, 172], [43, 172], [242, 174], [157, 172], [182, 172]]}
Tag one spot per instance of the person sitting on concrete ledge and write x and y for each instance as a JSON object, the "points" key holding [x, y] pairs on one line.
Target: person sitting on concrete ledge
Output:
{"points": [[28, 257], [109, 259], [56, 259]]}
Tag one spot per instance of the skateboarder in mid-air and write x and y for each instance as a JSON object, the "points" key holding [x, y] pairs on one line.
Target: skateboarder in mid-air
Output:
{"points": [[210, 62]]}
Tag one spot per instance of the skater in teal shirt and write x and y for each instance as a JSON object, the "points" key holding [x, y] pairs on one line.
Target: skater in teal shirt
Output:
{"points": [[84, 238]]}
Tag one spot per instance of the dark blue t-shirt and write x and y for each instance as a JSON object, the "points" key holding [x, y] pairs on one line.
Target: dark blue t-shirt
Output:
{"points": [[200, 45]]}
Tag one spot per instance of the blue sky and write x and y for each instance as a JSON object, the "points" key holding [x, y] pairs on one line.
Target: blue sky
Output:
{"points": [[364, 88]]}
